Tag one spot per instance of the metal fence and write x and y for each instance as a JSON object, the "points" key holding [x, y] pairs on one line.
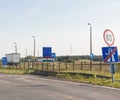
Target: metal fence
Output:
{"points": [[62, 66]]}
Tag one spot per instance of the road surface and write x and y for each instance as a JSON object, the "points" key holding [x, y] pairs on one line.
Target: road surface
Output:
{"points": [[30, 87]]}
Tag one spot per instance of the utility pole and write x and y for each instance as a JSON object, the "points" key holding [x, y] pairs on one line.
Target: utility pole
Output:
{"points": [[15, 47], [34, 50]]}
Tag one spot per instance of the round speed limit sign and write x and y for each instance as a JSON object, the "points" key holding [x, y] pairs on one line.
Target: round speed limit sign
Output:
{"points": [[108, 37]]}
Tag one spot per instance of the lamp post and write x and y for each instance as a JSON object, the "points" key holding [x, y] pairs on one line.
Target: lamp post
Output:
{"points": [[15, 47], [91, 55], [34, 50], [26, 52]]}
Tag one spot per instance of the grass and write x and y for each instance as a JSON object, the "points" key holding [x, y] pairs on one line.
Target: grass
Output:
{"points": [[17, 72], [95, 81]]}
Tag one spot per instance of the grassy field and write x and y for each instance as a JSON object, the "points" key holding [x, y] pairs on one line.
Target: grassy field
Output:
{"points": [[94, 80]]}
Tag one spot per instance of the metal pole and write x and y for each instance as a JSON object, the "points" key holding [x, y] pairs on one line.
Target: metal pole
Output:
{"points": [[90, 45], [34, 49], [15, 47], [26, 52], [34, 46], [112, 78]]}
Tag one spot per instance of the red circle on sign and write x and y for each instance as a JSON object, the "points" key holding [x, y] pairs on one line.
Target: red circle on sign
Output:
{"points": [[108, 38]]}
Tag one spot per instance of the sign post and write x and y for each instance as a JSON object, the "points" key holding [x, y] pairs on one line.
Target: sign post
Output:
{"points": [[110, 54], [112, 70]]}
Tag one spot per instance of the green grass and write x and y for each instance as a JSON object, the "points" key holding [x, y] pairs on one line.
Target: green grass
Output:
{"points": [[93, 80], [14, 71]]}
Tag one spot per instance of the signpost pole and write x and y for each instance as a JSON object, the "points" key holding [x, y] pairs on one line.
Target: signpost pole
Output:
{"points": [[112, 78], [111, 69]]}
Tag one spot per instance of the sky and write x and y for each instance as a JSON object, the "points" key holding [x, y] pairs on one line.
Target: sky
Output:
{"points": [[60, 24]]}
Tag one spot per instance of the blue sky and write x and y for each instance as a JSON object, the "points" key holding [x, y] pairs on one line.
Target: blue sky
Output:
{"points": [[61, 24]]}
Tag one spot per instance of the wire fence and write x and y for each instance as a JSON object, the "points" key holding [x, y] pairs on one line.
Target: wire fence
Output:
{"points": [[62, 66]]}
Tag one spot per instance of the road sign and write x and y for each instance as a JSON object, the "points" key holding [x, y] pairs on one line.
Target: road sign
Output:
{"points": [[53, 55], [108, 37], [110, 54], [47, 52], [91, 56], [4, 60]]}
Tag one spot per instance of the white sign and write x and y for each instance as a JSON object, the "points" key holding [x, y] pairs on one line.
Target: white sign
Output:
{"points": [[108, 37]]}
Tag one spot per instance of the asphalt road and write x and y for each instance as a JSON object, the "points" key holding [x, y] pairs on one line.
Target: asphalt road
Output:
{"points": [[28, 87]]}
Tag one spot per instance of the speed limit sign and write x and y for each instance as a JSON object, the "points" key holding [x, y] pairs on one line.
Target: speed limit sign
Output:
{"points": [[108, 37]]}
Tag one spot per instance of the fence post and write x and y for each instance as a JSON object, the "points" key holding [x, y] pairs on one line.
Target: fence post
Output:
{"points": [[19, 65], [66, 65], [28, 64], [42, 65], [100, 65], [32, 65], [73, 66], [81, 65], [59, 66], [15, 66], [53, 65], [37, 65], [47, 65], [24, 65], [85, 63]]}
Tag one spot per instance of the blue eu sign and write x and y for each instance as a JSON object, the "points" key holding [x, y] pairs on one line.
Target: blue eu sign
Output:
{"points": [[47, 52]]}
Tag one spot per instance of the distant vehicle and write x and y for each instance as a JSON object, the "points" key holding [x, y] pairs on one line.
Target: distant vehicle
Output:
{"points": [[13, 58]]}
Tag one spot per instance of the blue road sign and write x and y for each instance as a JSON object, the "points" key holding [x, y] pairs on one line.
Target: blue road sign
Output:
{"points": [[4, 60], [91, 56], [47, 52], [110, 54], [53, 55]]}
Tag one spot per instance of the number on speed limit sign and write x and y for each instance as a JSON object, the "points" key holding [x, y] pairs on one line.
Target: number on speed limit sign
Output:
{"points": [[108, 37]]}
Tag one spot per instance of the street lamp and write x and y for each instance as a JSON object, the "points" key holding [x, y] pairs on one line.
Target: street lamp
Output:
{"points": [[34, 51], [91, 55], [15, 47], [34, 46], [26, 52]]}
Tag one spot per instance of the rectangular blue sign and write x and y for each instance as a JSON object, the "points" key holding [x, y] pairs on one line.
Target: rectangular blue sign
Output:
{"points": [[47, 52], [4, 60], [110, 54], [53, 55]]}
